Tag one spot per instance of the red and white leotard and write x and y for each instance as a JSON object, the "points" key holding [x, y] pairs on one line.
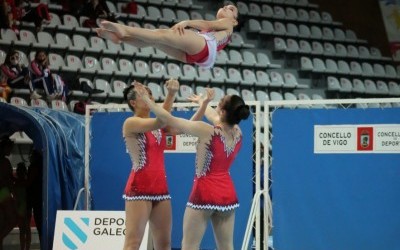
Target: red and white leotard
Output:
{"points": [[147, 180], [213, 187], [207, 56]]}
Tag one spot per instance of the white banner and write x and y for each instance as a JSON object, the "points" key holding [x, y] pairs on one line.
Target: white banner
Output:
{"points": [[391, 18], [365, 138], [182, 143], [91, 230]]}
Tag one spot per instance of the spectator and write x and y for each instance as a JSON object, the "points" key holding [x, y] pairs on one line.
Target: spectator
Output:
{"points": [[80, 106], [61, 89], [40, 73], [130, 8], [70, 7], [13, 14], [8, 216], [17, 75], [34, 193], [20, 10], [6, 171], [20, 191], [96, 9], [4, 21], [5, 90], [53, 85]]}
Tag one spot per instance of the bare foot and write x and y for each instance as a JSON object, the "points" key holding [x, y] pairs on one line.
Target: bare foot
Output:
{"points": [[107, 34], [116, 28]]}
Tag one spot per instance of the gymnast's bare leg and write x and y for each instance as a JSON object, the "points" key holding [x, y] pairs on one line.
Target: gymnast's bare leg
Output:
{"points": [[169, 41]]}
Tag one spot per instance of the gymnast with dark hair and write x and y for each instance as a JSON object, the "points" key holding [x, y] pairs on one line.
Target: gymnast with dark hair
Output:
{"points": [[213, 195], [186, 45], [146, 193]]}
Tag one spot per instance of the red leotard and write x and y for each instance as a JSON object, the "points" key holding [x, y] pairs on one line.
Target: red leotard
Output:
{"points": [[213, 186], [147, 180], [206, 57]]}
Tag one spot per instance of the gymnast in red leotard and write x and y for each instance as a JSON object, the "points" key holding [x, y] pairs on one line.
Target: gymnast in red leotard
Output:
{"points": [[213, 195], [146, 193], [147, 180], [183, 44]]}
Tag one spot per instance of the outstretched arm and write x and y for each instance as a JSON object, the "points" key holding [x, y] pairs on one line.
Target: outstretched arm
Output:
{"points": [[210, 113], [217, 25], [172, 87], [134, 125], [203, 103], [196, 128]]}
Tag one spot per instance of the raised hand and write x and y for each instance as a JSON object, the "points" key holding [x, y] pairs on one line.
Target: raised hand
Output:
{"points": [[140, 89], [195, 98], [210, 93], [172, 86], [180, 27]]}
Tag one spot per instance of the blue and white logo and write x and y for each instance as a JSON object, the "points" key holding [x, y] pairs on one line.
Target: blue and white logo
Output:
{"points": [[75, 232]]}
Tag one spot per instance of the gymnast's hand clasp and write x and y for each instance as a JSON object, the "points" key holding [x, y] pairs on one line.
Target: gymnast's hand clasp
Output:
{"points": [[172, 86], [180, 27], [140, 89]]}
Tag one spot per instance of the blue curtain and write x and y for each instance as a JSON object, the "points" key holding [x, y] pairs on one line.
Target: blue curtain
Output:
{"points": [[60, 136]]}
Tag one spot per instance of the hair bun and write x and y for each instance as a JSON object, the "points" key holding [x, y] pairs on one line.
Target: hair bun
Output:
{"points": [[243, 112]]}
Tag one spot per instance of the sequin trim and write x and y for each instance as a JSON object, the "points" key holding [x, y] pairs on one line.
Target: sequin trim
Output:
{"points": [[236, 139], [158, 135], [213, 207], [207, 162], [142, 155], [147, 197]]}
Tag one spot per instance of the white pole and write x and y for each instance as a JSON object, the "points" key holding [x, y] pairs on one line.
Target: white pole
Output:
{"points": [[87, 145], [258, 177], [250, 221], [267, 201]]}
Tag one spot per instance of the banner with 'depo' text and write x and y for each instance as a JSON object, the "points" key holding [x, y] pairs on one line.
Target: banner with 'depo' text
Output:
{"points": [[357, 138], [86, 230], [335, 178]]}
